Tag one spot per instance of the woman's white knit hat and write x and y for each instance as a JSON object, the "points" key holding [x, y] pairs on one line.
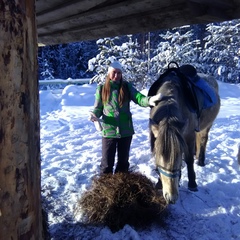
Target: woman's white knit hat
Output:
{"points": [[115, 65]]}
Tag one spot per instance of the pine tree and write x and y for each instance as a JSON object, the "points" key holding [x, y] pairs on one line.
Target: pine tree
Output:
{"points": [[176, 45], [220, 54], [127, 53]]}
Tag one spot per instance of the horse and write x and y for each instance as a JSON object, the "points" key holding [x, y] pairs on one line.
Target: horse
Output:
{"points": [[180, 123]]}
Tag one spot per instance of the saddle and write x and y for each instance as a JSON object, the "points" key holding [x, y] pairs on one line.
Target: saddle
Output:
{"points": [[194, 95]]}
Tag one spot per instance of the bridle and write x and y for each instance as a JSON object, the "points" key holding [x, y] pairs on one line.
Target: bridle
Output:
{"points": [[168, 173]]}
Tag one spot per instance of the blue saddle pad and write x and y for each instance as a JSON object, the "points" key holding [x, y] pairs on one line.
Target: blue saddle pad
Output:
{"points": [[210, 97]]}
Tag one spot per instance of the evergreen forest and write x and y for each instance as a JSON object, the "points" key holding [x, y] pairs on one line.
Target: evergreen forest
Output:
{"points": [[212, 48]]}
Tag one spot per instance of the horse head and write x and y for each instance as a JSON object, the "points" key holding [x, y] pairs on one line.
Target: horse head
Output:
{"points": [[169, 150]]}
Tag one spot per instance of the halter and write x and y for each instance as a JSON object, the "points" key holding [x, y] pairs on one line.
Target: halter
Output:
{"points": [[168, 173]]}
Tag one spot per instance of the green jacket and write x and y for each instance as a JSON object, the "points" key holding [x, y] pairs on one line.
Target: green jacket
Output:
{"points": [[117, 121]]}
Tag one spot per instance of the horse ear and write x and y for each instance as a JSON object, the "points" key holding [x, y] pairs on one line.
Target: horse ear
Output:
{"points": [[154, 127]]}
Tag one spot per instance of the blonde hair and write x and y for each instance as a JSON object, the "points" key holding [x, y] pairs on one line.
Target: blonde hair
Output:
{"points": [[123, 91]]}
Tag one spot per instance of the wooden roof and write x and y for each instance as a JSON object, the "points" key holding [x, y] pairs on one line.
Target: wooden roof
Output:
{"points": [[61, 21]]}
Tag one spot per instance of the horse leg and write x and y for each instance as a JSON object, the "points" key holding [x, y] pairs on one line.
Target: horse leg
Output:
{"points": [[201, 143], [197, 144], [192, 185], [189, 159]]}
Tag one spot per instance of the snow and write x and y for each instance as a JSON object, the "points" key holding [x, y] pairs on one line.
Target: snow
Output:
{"points": [[71, 153]]}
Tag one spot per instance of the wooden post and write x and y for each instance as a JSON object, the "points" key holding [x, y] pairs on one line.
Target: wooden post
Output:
{"points": [[20, 197]]}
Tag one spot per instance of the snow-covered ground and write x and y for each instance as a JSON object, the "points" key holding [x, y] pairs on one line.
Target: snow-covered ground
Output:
{"points": [[71, 153]]}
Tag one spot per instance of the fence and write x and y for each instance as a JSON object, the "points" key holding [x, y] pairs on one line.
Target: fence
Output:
{"points": [[65, 82]]}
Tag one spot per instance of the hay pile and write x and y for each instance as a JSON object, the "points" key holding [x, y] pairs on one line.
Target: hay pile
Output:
{"points": [[119, 199]]}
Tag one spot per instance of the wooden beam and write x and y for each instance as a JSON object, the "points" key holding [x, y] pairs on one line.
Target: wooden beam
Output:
{"points": [[139, 22]]}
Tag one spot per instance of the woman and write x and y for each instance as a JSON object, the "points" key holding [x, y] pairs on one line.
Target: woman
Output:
{"points": [[112, 103]]}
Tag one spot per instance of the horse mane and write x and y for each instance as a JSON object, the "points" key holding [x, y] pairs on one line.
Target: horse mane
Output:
{"points": [[171, 145]]}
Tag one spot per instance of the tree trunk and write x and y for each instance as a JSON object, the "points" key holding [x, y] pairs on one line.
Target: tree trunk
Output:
{"points": [[20, 196]]}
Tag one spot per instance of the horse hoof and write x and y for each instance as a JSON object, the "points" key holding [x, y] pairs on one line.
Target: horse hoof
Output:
{"points": [[193, 189]]}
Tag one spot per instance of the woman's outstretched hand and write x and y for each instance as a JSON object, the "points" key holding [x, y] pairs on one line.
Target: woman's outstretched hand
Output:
{"points": [[153, 101]]}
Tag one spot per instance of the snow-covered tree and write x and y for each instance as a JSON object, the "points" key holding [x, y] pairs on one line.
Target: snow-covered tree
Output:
{"points": [[47, 71], [176, 45], [108, 52], [128, 53], [67, 60], [212, 48], [221, 53]]}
